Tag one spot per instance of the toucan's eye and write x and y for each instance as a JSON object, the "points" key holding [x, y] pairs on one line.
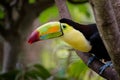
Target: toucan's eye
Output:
{"points": [[64, 26]]}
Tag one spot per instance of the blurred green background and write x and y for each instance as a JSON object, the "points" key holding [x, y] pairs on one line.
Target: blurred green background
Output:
{"points": [[54, 59]]}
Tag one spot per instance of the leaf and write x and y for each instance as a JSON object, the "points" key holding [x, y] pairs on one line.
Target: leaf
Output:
{"points": [[31, 74], [37, 71], [2, 14], [43, 70], [81, 13], [32, 1], [9, 75], [76, 69], [57, 78], [50, 13]]}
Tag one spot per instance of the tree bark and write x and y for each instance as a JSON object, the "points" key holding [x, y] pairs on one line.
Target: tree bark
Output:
{"points": [[11, 51], [63, 12], [116, 8], [1, 53], [108, 28]]}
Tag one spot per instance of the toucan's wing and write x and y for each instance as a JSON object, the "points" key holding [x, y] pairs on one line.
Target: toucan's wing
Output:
{"points": [[98, 47], [87, 30]]}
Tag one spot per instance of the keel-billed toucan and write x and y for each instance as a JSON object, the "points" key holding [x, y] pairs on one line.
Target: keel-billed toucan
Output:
{"points": [[84, 38]]}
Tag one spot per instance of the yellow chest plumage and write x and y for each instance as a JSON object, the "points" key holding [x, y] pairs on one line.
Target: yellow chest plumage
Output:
{"points": [[77, 40]]}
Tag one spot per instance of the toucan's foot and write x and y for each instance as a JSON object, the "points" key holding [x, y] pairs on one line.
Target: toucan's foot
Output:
{"points": [[108, 64], [91, 59]]}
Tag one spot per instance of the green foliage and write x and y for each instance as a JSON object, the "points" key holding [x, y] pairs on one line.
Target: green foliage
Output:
{"points": [[76, 69], [33, 72], [81, 13], [10, 75], [79, 71], [2, 14], [50, 13], [68, 65], [37, 71], [31, 1]]}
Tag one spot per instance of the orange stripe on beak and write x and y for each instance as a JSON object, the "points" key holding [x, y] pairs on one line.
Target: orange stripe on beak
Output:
{"points": [[52, 30]]}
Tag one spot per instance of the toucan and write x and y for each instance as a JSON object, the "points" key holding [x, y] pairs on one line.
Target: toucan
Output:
{"points": [[84, 38]]}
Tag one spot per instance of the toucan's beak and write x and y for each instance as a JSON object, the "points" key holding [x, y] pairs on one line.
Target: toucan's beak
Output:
{"points": [[46, 31]]}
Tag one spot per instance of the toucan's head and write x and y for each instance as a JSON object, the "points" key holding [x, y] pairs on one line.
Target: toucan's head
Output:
{"points": [[48, 31], [63, 29]]}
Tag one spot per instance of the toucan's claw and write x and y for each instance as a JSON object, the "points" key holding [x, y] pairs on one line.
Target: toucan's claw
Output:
{"points": [[108, 64], [91, 59]]}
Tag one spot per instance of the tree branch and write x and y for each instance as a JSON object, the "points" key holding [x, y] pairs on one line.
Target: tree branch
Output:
{"points": [[109, 73], [108, 28], [78, 2], [63, 11]]}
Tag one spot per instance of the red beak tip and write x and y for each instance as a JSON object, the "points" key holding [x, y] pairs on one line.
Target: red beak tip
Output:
{"points": [[33, 37], [29, 42]]}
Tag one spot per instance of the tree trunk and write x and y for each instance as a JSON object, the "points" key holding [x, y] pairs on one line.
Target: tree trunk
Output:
{"points": [[64, 13], [116, 9], [19, 30], [11, 51], [1, 53], [108, 28]]}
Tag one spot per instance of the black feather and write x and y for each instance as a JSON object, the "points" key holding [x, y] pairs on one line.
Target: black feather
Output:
{"points": [[91, 33]]}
